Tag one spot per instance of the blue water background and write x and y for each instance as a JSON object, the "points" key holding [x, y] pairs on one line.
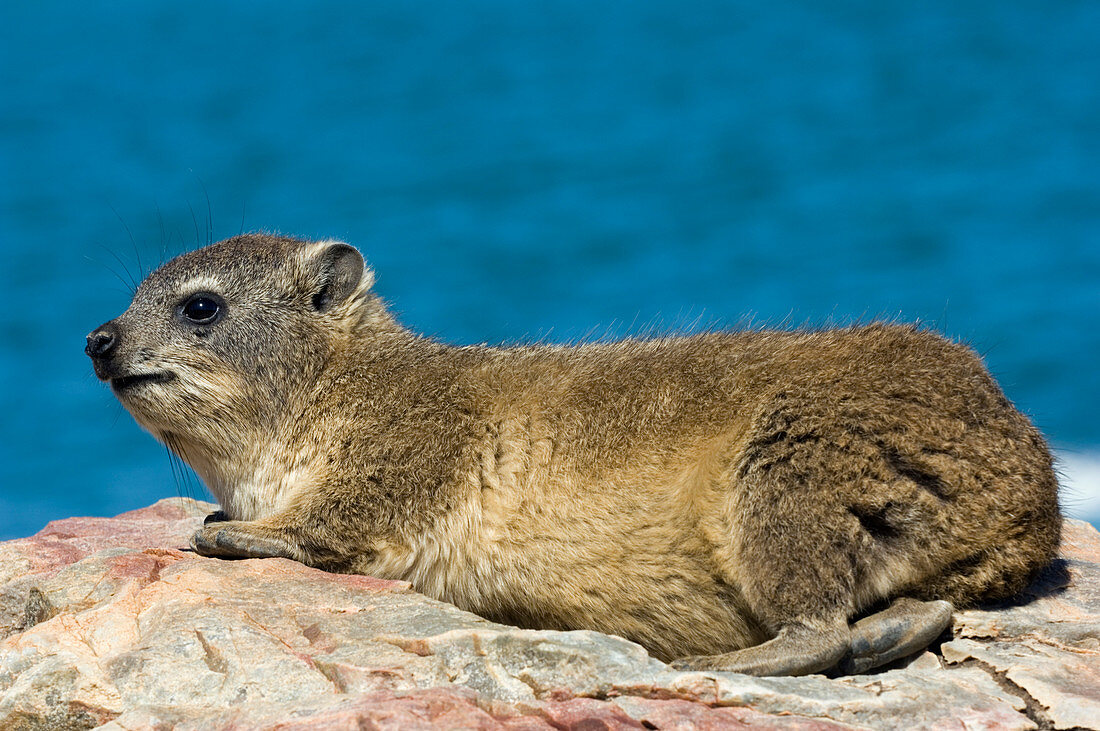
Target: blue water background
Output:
{"points": [[520, 170]]}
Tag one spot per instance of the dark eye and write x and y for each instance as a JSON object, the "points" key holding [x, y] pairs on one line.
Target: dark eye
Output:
{"points": [[201, 309]]}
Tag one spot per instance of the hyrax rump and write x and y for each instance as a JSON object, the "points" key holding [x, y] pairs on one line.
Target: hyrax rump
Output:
{"points": [[699, 495]]}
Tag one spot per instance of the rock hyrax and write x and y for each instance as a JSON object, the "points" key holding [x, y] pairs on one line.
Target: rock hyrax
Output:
{"points": [[730, 500]]}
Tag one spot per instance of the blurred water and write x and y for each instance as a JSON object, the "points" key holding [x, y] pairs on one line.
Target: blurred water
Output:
{"points": [[518, 170]]}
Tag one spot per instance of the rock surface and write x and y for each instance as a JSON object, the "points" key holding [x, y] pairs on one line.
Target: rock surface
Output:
{"points": [[110, 622]]}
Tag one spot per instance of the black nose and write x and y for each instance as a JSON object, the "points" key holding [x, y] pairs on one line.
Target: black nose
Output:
{"points": [[102, 341]]}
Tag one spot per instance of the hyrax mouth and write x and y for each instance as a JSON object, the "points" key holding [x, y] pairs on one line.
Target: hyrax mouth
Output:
{"points": [[127, 383]]}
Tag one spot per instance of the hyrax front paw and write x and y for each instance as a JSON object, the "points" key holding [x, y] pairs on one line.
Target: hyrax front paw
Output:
{"points": [[241, 539]]}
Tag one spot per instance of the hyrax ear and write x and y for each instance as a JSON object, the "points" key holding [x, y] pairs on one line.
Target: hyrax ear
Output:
{"points": [[340, 270]]}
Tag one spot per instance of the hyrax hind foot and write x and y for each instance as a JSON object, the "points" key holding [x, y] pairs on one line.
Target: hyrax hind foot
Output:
{"points": [[906, 626], [796, 650]]}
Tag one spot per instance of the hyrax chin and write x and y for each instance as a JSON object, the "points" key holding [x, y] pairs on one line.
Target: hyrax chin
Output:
{"points": [[730, 501]]}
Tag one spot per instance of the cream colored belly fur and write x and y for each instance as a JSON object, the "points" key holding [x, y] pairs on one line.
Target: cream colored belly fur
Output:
{"points": [[624, 555]]}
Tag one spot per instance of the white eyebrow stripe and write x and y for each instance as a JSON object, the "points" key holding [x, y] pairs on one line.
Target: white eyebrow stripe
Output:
{"points": [[203, 282]]}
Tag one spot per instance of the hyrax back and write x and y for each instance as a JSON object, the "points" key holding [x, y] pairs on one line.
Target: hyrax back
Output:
{"points": [[699, 495]]}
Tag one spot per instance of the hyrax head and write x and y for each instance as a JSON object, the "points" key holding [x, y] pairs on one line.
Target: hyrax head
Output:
{"points": [[231, 332]]}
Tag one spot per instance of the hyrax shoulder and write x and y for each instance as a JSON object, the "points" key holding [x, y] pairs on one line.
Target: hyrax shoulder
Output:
{"points": [[700, 495]]}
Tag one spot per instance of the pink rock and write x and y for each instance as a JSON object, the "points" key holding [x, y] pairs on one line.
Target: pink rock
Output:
{"points": [[112, 622]]}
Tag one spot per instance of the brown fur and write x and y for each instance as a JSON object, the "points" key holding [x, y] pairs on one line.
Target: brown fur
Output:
{"points": [[694, 494]]}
